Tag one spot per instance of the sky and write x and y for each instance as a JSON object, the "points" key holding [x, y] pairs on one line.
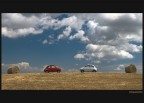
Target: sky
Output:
{"points": [[110, 41]]}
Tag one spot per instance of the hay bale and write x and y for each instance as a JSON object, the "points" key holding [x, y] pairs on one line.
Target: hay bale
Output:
{"points": [[13, 69], [130, 69]]}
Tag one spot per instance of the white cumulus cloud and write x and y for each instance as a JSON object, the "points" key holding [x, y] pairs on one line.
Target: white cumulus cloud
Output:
{"points": [[79, 35], [107, 36], [17, 25], [24, 65], [11, 33], [66, 33], [91, 26], [104, 52], [120, 67], [45, 41], [79, 56]]}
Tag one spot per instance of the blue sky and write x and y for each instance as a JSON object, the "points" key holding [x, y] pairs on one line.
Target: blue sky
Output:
{"points": [[110, 41]]}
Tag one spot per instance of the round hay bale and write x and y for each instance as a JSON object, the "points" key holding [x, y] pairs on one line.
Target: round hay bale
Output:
{"points": [[130, 69], [13, 69]]}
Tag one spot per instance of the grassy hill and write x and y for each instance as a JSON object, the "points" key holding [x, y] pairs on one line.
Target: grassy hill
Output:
{"points": [[72, 81]]}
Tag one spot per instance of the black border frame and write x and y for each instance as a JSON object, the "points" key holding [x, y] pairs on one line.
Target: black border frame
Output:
{"points": [[71, 95]]}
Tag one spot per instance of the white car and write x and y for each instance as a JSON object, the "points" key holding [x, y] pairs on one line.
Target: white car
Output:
{"points": [[88, 68]]}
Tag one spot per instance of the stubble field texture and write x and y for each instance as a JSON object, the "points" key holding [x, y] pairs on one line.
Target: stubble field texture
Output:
{"points": [[72, 81]]}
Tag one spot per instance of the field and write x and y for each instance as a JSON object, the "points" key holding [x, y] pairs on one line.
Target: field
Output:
{"points": [[72, 81]]}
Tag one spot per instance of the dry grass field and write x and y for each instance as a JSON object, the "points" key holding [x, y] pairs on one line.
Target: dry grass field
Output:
{"points": [[72, 81]]}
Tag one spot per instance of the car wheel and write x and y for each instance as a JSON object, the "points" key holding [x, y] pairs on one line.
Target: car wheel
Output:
{"points": [[47, 71], [94, 71], [82, 71], [58, 71]]}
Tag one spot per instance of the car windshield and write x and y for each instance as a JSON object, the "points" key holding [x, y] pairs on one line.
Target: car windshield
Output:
{"points": [[89, 66], [48, 66]]}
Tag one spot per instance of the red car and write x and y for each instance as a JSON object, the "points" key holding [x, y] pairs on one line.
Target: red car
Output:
{"points": [[52, 68]]}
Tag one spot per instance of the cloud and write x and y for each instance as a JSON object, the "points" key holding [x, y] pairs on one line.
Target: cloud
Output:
{"points": [[103, 52], [16, 25], [79, 56], [120, 67], [79, 35], [133, 37], [2, 64], [65, 34], [112, 16], [91, 26], [24, 65], [45, 41], [49, 22], [132, 47], [76, 64], [111, 37], [50, 40], [71, 21], [18, 20], [106, 51], [11, 33], [107, 36], [21, 65]]}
